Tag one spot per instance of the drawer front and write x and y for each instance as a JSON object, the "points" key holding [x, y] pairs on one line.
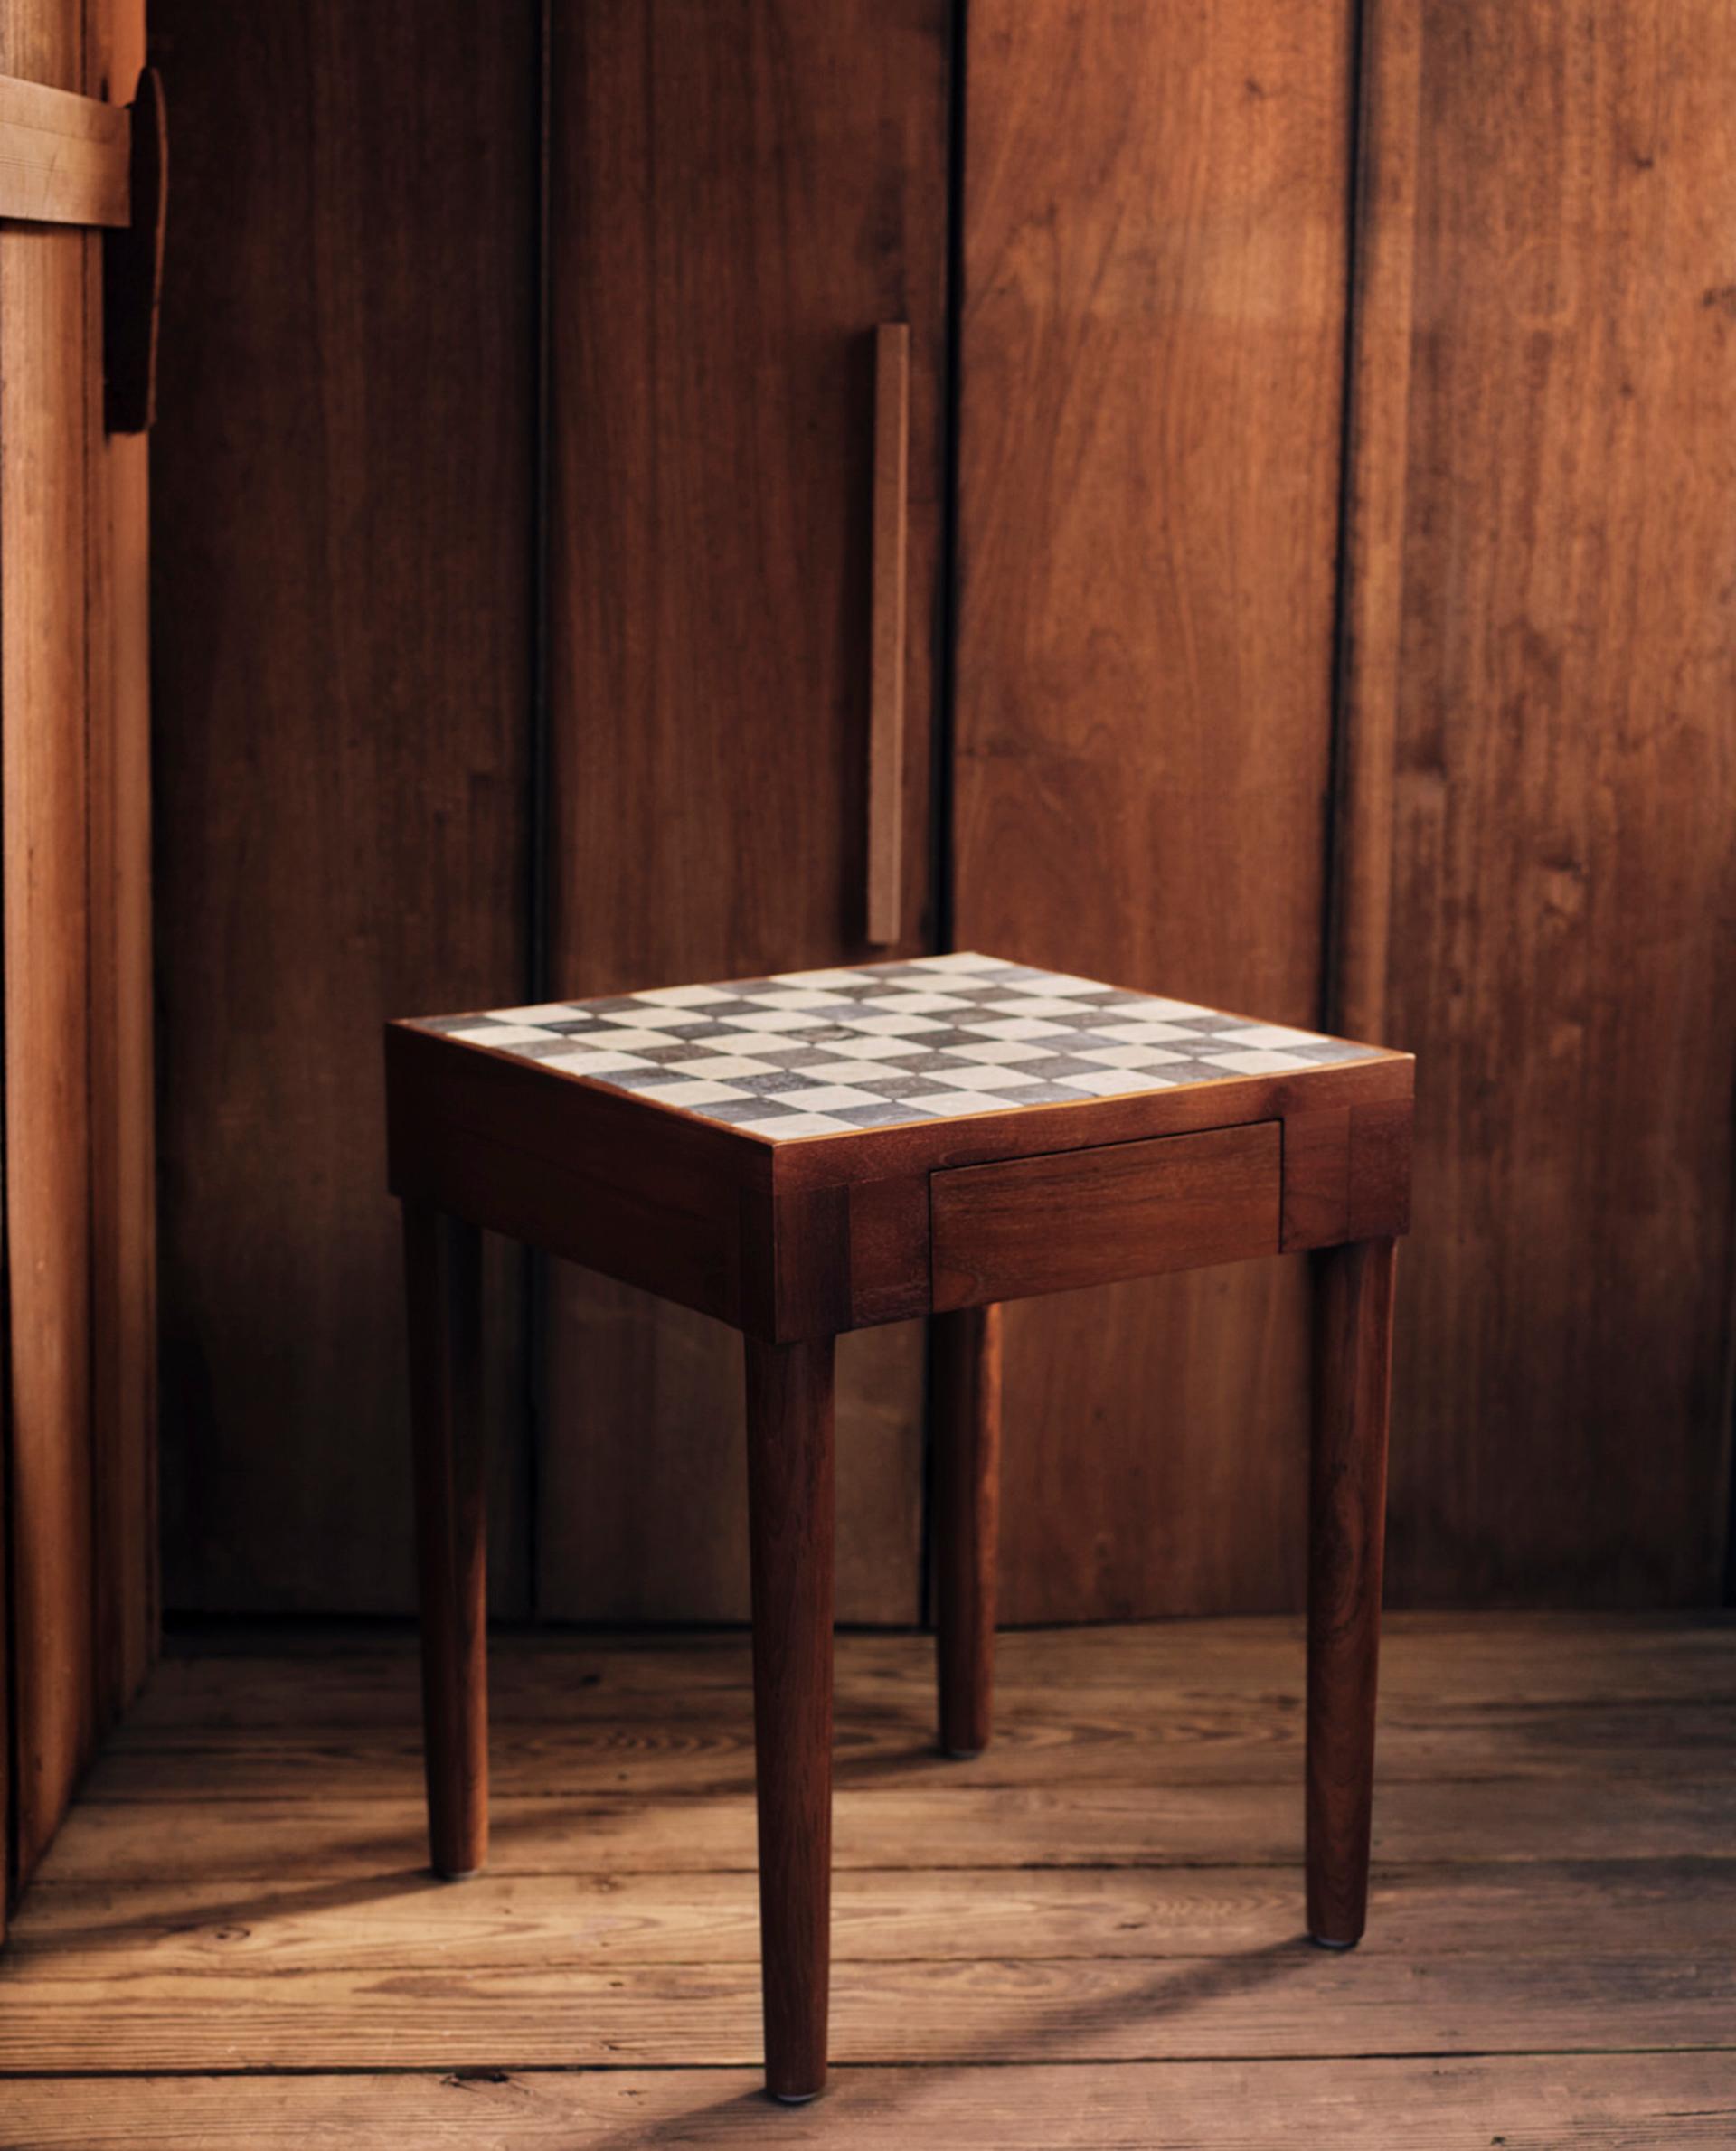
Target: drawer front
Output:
{"points": [[1091, 1217]]}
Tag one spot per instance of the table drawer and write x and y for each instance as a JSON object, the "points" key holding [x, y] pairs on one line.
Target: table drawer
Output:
{"points": [[1090, 1217]]}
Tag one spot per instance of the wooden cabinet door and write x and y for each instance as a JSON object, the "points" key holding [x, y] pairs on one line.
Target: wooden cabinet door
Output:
{"points": [[1155, 215], [741, 191], [77, 1466]]}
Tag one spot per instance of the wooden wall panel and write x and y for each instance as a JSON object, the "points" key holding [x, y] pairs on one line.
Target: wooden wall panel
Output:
{"points": [[43, 631], [77, 1574], [123, 1137], [1154, 261], [1561, 718], [741, 191], [343, 542]]}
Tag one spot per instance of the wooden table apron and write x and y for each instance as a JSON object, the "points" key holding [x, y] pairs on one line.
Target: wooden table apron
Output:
{"points": [[808, 1239]]}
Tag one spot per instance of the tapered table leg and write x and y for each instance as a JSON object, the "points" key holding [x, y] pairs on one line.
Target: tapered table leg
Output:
{"points": [[967, 1504], [1347, 1540], [790, 1520], [443, 1275]]}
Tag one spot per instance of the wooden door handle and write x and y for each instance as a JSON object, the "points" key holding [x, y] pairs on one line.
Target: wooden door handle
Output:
{"points": [[886, 649]]}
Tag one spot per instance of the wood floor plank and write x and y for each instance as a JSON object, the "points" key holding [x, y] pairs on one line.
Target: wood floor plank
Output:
{"points": [[315, 1677], [946, 1825], [243, 1933], [702, 1742], [1592, 2102], [1289, 2000], [1090, 1937]]}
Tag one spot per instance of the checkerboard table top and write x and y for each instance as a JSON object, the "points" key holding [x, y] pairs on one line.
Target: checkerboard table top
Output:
{"points": [[810, 1054]]}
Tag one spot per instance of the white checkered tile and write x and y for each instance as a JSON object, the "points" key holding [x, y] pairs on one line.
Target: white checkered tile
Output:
{"points": [[941, 1037]]}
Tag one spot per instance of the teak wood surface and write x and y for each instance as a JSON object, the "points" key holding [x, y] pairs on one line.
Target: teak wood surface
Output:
{"points": [[1091, 1935], [740, 197], [124, 1301], [344, 470], [831, 1233], [1219, 274], [798, 1242], [77, 1469], [1090, 1217], [1541, 720], [64, 159], [967, 1520], [47, 621], [443, 1271], [1151, 344]]}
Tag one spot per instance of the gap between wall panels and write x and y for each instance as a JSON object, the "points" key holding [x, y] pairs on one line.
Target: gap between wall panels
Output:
{"points": [[1330, 1013], [534, 1266], [940, 856]]}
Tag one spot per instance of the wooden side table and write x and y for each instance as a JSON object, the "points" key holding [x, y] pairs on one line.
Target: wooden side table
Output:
{"points": [[822, 1151]]}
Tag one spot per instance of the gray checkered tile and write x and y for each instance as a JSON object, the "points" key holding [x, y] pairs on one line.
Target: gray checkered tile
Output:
{"points": [[823, 1052]]}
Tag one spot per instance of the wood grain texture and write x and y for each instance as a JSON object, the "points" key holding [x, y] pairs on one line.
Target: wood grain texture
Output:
{"points": [[237, 1936], [672, 1743], [792, 1516], [341, 1679], [1287, 2002], [889, 629], [1093, 1217], [344, 483], [1316, 1178], [1568, 1919], [73, 721], [1072, 1824], [772, 1238], [1381, 325], [443, 1296], [1383, 1079], [1353, 1382], [657, 1199], [1152, 344], [1527, 2102], [967, 1506], [65, 156], [44, 627], [1565, 727], [122, 1135], [740, 193]]}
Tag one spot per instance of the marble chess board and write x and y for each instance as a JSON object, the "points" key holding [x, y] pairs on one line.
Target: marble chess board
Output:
{"points": [[933, 1038]]}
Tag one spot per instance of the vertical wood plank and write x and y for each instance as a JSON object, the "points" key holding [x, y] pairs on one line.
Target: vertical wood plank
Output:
{"points": [[889, 630], [1562, 713], [1381, 325], [342, 469], [1154, 261], [42, 783], [742, 191], [123, 1153]]}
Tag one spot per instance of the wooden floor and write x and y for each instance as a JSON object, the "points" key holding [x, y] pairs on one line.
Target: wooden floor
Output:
{"points": [[1089, 1937]]}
